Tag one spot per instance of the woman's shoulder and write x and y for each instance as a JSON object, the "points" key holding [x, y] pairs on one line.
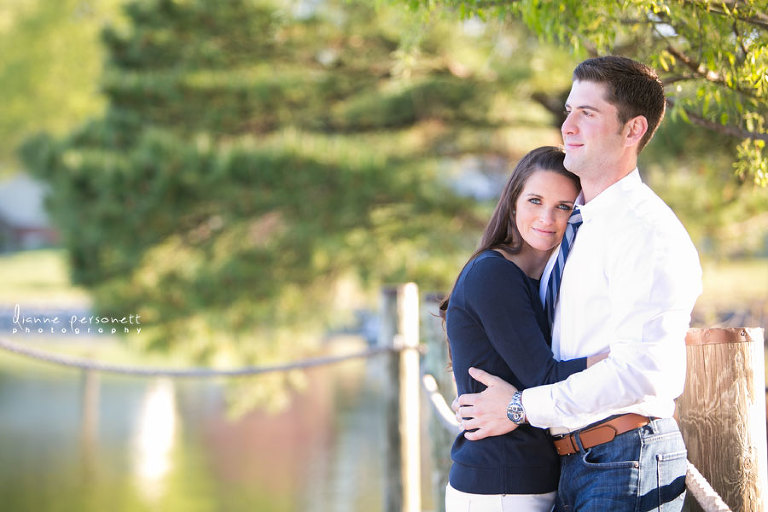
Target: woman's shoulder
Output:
{"points": [[495, 259], [492, 266]]}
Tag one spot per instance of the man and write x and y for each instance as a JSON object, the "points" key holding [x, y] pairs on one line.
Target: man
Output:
{"points": [[631, 280]]}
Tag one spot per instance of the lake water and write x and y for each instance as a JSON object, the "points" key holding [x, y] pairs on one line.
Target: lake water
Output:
{"points": [[118, 443]]}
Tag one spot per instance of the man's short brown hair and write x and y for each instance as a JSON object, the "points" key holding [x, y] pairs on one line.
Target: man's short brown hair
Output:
{"points": [[633, 88]]}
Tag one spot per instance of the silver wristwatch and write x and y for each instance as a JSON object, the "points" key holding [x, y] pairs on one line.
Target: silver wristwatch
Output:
{"points": [[515, 409]]}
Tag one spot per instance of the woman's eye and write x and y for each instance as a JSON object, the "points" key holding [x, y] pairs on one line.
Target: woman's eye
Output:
{"points": [[534, 200], [565, 207]]}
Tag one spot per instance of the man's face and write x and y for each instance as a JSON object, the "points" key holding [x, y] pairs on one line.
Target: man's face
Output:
{"points": [[592, 135]]}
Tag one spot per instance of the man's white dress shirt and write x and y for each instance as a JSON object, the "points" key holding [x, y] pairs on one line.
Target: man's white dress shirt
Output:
{"points": [[629, 285]]}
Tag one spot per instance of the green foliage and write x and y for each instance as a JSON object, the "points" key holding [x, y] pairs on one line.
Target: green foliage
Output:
{"points": [[725, 214], [49, 66], [251, 163], [713, 56]]}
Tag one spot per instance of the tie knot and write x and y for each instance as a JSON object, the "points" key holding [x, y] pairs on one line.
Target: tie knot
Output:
{"points": [[575, 217]]}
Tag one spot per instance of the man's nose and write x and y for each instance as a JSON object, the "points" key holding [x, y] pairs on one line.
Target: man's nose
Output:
{"points": [[568, 127]]}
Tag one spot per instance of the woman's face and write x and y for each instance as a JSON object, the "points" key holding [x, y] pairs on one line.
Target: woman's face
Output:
{"points": [[543, 208]]}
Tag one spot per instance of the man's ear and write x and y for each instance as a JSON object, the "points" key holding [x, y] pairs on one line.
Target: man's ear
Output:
{"points": [[635, 128]]}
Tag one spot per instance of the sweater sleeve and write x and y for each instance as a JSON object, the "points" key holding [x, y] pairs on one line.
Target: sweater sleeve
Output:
{"points": [[498, 295]]}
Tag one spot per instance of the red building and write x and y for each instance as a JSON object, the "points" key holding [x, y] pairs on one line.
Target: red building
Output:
{"points": [[24, 223]]}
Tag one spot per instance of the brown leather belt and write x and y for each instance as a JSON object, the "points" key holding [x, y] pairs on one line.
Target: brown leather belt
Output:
{"points": [[599, 434]]}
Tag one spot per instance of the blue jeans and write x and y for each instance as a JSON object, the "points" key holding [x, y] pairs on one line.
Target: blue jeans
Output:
{"points": [[639, 471]]}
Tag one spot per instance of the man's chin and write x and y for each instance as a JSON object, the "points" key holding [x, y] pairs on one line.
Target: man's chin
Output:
{"points": [[571, 164]]}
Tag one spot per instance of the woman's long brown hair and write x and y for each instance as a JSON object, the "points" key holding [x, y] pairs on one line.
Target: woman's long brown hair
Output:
{"points": [[501, 231]]}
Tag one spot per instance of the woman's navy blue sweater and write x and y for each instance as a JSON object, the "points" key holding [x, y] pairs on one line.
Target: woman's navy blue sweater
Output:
{"points": [[495, 322]]}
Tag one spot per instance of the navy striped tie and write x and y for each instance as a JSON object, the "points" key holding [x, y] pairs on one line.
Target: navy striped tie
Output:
{"points": [[553, 286]]}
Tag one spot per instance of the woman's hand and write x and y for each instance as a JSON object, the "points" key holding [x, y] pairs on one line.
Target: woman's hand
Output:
{"points": [[593, 360]]}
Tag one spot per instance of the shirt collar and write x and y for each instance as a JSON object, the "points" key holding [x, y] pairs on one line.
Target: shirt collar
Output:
{"points": [[608, 198]]}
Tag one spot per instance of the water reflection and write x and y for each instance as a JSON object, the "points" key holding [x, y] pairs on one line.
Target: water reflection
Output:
{"points": [[85, 443], [155, 433]]}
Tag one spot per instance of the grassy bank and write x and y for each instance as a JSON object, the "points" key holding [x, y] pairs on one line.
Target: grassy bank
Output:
{"points": [[732, 287], [40, 277]]}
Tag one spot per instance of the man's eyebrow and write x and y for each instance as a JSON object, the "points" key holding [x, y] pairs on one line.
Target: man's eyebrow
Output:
{"points": [[584, 107]]}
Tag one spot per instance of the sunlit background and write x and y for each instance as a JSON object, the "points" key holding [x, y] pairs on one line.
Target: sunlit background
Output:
{"points": [[240, 178]]}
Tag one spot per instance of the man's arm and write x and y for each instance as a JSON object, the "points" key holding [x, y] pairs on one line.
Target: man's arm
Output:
{"points": [[485, 413]]}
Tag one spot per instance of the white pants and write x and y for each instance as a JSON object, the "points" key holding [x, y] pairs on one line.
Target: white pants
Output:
{"points": [[457, 501]]}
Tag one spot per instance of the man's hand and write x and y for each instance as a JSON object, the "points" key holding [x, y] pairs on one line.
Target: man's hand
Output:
{"points": [[487, 411]]}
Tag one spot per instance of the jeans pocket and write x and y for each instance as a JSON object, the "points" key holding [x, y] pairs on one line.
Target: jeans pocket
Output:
{"points": [[607, 480], [602, 460], [670, 473]]}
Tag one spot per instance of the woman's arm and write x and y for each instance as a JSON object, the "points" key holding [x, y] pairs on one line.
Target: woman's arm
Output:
{"points": [[499, 295]]}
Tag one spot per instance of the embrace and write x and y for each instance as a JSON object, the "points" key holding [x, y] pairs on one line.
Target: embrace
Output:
{"points": [[567, 326]]}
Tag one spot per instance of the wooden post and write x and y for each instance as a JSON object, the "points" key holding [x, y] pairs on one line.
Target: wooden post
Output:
{"points": [[400, 329], [393, 484], [89, 423], [436, 364], [722, 414]]}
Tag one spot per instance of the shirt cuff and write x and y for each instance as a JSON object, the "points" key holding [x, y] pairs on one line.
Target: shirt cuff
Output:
{"points": [[539, 406]]}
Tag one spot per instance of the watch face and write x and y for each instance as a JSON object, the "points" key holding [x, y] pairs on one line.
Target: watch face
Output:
{"points": [[515, 410], [515, 413]]}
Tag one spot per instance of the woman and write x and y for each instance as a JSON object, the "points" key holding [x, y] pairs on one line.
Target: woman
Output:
{"points": [[495, 321]]}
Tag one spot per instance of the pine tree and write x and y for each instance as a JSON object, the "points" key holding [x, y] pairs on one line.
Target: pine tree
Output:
{"points": [[253, 157]]}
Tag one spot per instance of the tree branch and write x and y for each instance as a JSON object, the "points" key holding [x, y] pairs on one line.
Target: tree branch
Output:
{"points": [[672, 79], [731, 130], [740, 39], [701, 71], [758, 19]]}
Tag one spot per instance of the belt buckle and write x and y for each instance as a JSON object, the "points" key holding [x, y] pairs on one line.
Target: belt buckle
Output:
{"points": [[571, 443]]}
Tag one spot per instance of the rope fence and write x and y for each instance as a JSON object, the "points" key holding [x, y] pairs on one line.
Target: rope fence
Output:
{"points": [[86, 364], [440, 406], [704, 494]]}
